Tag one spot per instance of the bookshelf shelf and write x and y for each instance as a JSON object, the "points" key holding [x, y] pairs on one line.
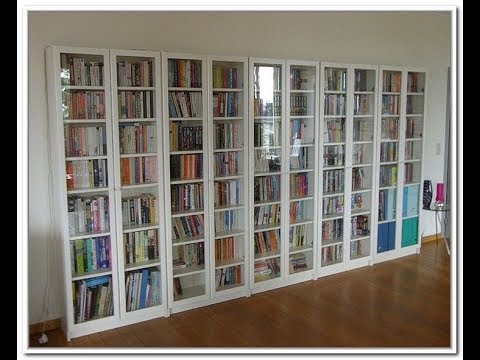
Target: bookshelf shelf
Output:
{"points": [[133, 228], [189, 270], [347, 149], [79, 102], [397, 230], [228, 131], [138, 174], [300, 249], [91, 274]]}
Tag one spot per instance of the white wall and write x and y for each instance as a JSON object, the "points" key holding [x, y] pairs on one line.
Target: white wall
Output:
{"points": [[395, 38]]}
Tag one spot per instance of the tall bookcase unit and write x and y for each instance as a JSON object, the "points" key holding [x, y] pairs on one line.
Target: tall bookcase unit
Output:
{"points": [[348, 113], [301, 166], [268, 178], [82, 161], [137, 134], [400, 130], [186, 173], [228, 169]]}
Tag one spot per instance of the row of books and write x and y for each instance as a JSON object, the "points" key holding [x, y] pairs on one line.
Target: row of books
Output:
{"points": [[332, 205], [410, 200], [88, 214], [390, 104], [334, 104], [86, 174], [300, 157], [267, 160], [226, 192], [138, 170], [267, 107], [187, 226], [362, 129], [80, 105], [298, 235], [360, 225], [139, 210], [186, 197], [184, 138], [357, 201], [360, 153], [266, 241], [266, 214], [332, 253], [186, 167], [266, 134], [90, 254], [266, 269], [299, 185], [333, 180], [184, 73], [225, 104], [139, 73], [412, 150], [227, 221], [299, 132], [392, 81], [226, 249], [143, 289], [415, 82], [361, 105], [185, 104], [228, 276], [356, 248], [226, 135], [414, 105], [334, 155], [361, 80], [299, 210], [332, 229], [389, 128], [302, 79], [266, 188], [226, 163], [388, 175], [140, 246], [78, 71], [387, 204], [334, 130], [224, 77], [188, 255], [85, 141], [359, 179], [297, 263], [136, 138], [413, 128], [335, 79], [411, 175], [93, 298], [388, 151], [135, 104], [299, 105]]}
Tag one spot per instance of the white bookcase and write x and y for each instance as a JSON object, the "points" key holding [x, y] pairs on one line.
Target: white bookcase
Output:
{"points": [[301, 124], [347, 148], [228, 174], [183, 180], [401, 106], [137, 134], [267, 175], [185, 94], [80, 120]]}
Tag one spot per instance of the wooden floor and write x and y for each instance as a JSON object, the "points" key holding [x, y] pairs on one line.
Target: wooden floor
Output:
{"points": [[401, 303]]}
